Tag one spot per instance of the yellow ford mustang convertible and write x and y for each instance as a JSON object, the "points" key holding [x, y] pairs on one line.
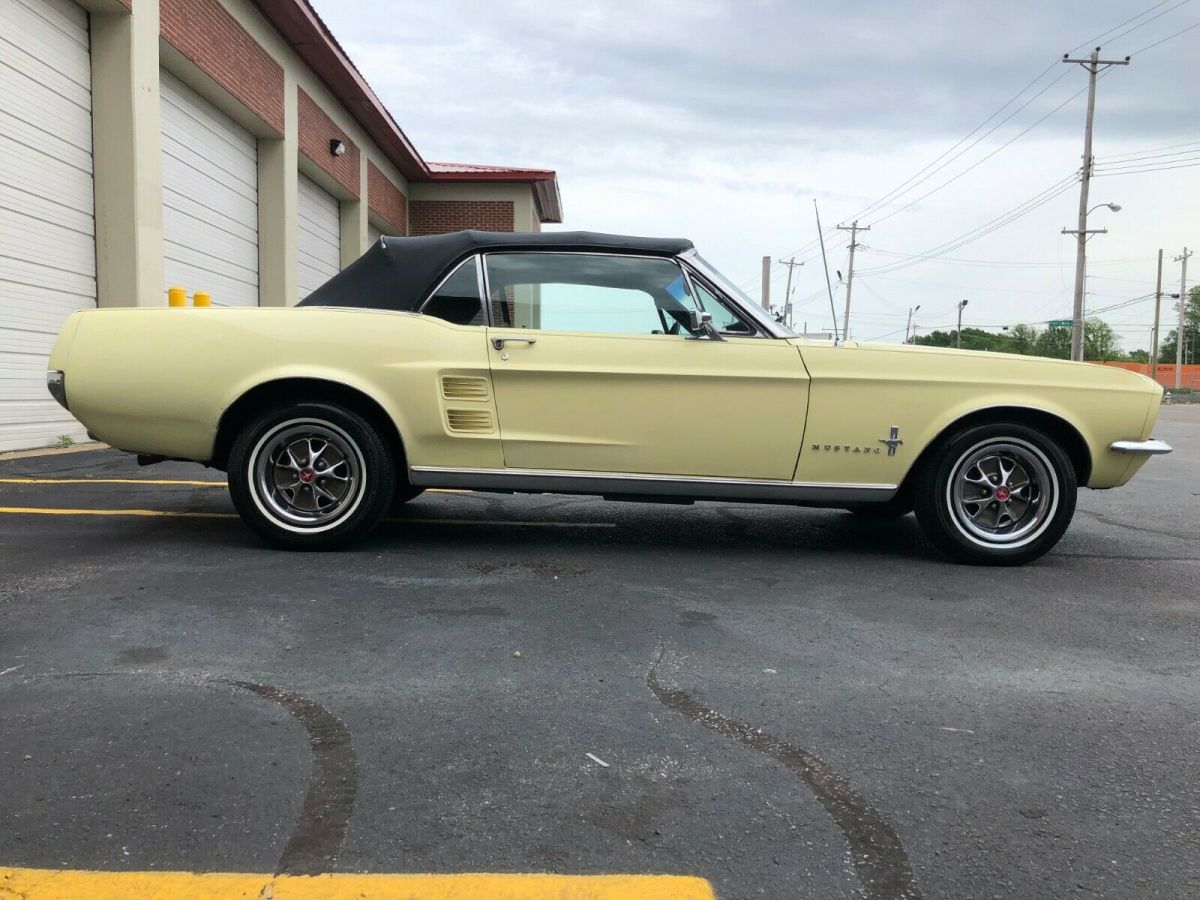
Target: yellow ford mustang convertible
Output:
{"points": [[592, 364]]}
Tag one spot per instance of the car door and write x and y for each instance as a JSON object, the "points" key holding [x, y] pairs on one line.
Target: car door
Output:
{"points": [[594, 370]]}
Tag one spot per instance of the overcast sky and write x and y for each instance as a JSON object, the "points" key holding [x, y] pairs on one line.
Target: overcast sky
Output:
{"points": [[721, 121]]}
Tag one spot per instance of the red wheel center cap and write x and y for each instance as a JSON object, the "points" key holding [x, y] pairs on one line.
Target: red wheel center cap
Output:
{"points": [[307, 475], [1002, 494]]}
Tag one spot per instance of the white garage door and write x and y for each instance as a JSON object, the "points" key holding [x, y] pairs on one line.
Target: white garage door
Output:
{"points": [[210, 199], [47, 226], [320, 243]]}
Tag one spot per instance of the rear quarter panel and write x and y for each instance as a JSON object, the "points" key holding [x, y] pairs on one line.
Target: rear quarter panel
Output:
{"points": [[859, 392], [158, 380]]}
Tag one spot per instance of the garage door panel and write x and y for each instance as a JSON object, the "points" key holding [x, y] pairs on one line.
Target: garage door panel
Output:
{"points": [[208, 185], [14, 198], [210, 198], [319, 239], [46, 244], [47, 226], [234, 173], [195, 260], [25, 119], [197, 132], [17, 274], [56, 21], [57, 39], [225, 219], [41, 76]]}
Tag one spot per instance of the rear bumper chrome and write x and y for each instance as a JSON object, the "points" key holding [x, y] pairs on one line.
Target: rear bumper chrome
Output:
{"points": [[56, 383], [1151, 447]]}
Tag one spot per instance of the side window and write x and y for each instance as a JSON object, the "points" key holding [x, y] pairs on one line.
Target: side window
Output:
{"points": [[724, 319], [457, 300], [596, 293]]}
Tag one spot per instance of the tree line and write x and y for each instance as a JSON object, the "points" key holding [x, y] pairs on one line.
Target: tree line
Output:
{"points": [[1099, 340]]}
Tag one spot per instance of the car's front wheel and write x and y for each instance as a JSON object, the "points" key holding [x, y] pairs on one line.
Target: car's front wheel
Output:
{"points": [[996, 494], [310, 476]]}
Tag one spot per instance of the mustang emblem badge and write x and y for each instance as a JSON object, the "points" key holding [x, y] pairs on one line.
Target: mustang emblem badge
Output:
{"points": [[892, 440]]}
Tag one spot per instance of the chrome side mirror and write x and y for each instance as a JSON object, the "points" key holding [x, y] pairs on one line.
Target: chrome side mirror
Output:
{"points": [[700, 323]]}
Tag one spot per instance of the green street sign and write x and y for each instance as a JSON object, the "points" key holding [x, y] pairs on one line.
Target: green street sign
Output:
{"points": [[1061, 323]]}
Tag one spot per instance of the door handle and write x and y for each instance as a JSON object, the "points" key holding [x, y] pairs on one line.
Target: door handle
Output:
{"points": [[499, 342]]}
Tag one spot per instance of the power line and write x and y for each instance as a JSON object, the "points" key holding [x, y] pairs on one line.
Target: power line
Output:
{"points": [[1022, 209], [1151, 153], [1148, 21], [1167, 38], [980, 162], [912, 181], [1105, 34], [1110, 172]]}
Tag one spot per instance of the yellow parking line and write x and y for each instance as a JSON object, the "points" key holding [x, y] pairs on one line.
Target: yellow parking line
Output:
{"points": [[42, 884], [109, 481], [162, 481], [54, 511]]}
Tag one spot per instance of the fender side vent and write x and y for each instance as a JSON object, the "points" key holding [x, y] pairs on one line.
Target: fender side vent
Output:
{"points": [[457, 387], [475, 421]]}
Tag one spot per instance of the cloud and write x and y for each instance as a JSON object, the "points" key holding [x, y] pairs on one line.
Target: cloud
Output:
{"points": [[720, 120]]}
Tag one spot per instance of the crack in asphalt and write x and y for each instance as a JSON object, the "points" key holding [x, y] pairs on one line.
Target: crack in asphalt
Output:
{"points": [[315, 841], [880, 861]]}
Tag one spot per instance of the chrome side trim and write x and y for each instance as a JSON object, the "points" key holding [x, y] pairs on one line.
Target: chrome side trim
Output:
{"points": [[740, 489], [1151, 447]]}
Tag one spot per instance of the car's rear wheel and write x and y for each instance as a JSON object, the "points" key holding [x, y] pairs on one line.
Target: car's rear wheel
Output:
{"points": [[996, 494], [310, 476]]}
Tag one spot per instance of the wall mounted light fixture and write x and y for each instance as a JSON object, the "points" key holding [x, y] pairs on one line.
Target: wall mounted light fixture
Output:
{"points": [[336, 147]]}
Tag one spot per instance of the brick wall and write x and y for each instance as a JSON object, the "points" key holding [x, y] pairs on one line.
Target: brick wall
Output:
{"points": [[316, 131], [440, 216], [385, 200], [212, 39]]}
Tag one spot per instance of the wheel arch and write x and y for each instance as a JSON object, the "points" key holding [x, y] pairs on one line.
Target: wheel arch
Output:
{"points": [[1065, 433], [303, 389]]}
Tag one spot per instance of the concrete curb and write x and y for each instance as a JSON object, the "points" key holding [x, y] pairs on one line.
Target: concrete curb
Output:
{"points": [[53, 451]]}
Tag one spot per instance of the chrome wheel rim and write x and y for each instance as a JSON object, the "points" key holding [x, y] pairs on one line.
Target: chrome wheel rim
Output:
{"points": [[1002, 492], [308, 475]]}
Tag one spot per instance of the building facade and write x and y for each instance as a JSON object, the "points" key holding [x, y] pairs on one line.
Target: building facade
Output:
{"points": [[224, 146]]}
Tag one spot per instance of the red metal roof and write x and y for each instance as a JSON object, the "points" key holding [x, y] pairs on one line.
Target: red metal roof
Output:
{"points": [[312, 40]]}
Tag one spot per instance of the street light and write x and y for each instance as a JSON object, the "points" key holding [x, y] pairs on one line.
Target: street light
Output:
{"points": [[908, 324], [1081, 235], [958, 334]]}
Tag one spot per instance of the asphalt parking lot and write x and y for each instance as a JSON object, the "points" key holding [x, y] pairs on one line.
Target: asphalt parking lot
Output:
{"points": [[785, 702]]}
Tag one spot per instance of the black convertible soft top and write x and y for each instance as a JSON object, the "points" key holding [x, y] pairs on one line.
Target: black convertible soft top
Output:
{"points": [[398, 272]]}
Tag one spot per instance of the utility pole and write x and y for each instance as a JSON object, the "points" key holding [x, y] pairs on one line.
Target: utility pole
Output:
{"points": [[1154, 334], [766, 283], [787, 291], [908, 324], [1183, 258], [1094, 65], [958, 333], [854, 230]]}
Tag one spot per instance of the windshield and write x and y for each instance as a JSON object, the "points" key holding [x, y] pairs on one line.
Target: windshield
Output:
{"points": [[733, 290]]}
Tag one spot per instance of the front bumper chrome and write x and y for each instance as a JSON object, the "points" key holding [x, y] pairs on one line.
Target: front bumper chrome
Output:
{"points": [[1151, 447]]}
